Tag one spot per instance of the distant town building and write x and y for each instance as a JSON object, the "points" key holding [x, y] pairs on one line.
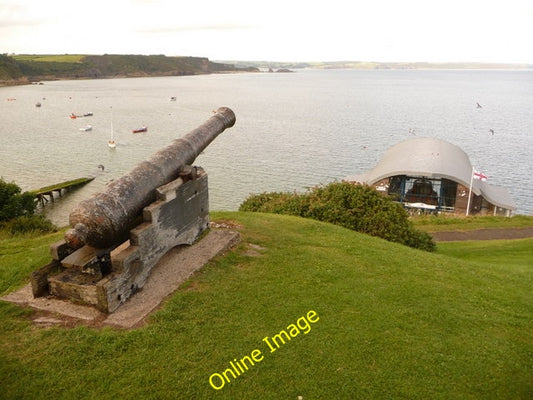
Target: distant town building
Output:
{"points": [[432, 175]]}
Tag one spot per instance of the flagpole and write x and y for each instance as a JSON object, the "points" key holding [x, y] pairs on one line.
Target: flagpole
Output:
{"points": [[470, 191]]}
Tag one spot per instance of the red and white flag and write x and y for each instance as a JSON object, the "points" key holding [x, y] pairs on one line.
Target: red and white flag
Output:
{"points": [[479, 175]]}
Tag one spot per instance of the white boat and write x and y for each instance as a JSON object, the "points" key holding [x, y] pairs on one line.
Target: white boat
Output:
{"points": [[111, 142], [86, 128]]}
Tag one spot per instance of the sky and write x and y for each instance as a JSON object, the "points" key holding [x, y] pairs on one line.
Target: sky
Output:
{"points": [[275, 30]]}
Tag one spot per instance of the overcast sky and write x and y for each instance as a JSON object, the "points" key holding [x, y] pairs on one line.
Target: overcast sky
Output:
{"points": [[274, 30]]}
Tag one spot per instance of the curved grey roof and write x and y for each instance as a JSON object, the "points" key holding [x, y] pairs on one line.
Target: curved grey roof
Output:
{"points": [[497, 195], [425, 157], [433, 158]]}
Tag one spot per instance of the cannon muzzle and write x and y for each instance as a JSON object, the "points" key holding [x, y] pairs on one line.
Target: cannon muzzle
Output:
{"points": [[105, 219]]}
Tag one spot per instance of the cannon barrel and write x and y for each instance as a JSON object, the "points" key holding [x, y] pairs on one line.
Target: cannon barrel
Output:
{"points": [[105, 218]]}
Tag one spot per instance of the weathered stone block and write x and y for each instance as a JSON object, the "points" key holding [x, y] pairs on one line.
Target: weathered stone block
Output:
{"points": [[39, 278], [60, 250], [75, 285], [178, 217]]}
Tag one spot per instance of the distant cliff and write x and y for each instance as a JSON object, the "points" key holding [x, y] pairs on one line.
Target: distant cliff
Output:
{"points": [[366, 65], [10, 71], [22, 69]]}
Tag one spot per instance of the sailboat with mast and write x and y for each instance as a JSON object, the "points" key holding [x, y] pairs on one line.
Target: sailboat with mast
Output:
{"points": [[111, 142]]}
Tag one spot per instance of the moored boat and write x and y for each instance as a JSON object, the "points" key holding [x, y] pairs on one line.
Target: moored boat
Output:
{"points": [[74, 116], [111, 142], [142, 129]]}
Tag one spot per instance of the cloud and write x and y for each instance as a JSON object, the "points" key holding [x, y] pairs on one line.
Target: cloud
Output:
{"points": [[15, 15], [380, 30], [193, 28]]}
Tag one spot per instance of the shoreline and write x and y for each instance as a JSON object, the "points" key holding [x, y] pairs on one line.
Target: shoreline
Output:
{"points": [[50, 78], [30, 81]]}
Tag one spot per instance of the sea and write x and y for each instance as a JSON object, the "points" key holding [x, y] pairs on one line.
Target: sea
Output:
{"points": [[293, 130]]}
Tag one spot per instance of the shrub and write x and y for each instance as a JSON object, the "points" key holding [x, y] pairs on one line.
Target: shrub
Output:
{"points": [[277, 203], [356, 207], [13, 203], [29, 224]]}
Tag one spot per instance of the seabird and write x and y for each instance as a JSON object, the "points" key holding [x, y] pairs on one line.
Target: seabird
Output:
{"points": [[479, 105], [101, 166], [491, 131]]}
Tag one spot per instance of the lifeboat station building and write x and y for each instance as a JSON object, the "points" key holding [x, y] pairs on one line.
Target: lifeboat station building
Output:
{"points": [[429, 175]]}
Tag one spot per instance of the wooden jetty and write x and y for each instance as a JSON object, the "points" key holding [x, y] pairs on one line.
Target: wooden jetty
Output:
{"points": [[59, 188]]}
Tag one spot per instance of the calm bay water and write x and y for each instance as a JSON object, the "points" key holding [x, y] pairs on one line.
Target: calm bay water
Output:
{"points": [[293, 130]]}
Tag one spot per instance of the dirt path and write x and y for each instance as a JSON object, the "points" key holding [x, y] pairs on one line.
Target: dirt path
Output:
{"points": [[483, 234]]}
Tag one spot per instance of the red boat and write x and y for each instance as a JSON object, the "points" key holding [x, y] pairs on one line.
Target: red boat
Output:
{"points": [[142, 129]]}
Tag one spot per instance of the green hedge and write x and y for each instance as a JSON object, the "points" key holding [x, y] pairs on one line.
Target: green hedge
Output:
{"points": [[356, 207], [17, 211], [28, 224], [14, 203]]}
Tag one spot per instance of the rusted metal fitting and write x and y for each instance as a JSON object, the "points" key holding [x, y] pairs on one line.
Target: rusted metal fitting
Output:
{"points": [[188, 173], [77, 236]]}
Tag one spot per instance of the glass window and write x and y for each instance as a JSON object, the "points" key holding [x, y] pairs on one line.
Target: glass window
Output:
{"points": [[440, 192]]}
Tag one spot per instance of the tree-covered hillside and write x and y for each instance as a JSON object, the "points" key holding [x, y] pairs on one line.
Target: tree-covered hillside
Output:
{"points": [[9, 68], [27, 68]]}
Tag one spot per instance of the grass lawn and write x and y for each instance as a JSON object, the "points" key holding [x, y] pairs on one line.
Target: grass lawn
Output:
{"points": [[19, 256], [391, 323], [515, 254], [72, 58], [443, 222]]}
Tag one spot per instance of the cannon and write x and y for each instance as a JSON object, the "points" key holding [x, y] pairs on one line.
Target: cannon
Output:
{"points": [[108, 216], [118, 235]]}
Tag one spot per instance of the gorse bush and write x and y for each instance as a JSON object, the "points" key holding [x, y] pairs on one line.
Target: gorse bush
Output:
{"points": [[356, 207]]}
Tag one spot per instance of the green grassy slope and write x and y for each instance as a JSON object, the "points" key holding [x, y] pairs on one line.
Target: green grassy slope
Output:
{"points": [[19, 256], [445, 222], [66, 58], [394, 323]]}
